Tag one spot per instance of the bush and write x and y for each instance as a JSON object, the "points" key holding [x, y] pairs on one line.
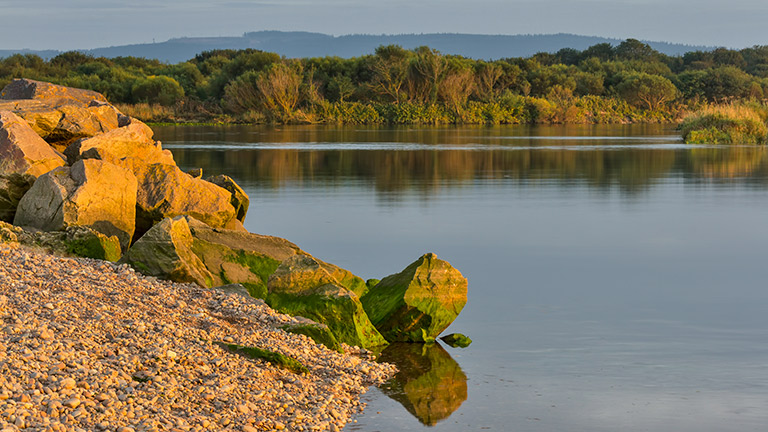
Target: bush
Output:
{"points": [[725, 124]]}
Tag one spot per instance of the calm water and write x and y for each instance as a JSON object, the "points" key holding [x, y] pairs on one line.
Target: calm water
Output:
{"points": [[617, 278]]}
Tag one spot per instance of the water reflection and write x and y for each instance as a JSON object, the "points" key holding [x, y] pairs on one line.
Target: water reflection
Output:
{"points": [[430, 384], [396, 161]]}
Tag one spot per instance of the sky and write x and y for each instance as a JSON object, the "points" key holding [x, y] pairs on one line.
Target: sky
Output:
{"points": [[83, 24]]}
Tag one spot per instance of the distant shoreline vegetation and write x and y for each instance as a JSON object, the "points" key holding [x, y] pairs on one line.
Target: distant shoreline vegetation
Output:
{"points": [[628, 83]]}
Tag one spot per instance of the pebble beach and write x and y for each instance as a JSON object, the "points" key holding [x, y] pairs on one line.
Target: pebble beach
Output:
{"points": [[89, 345]]}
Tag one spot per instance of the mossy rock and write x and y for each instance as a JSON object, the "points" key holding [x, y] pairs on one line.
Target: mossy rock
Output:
{"points": [[457, 340], [417, 304], [320, 333], [92, 244], [276, 358], [334, 306]]}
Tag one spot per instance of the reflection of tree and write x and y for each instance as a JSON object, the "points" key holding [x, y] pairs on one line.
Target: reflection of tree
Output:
{"points": [[430, 384], [726, 162], [393, 172]]}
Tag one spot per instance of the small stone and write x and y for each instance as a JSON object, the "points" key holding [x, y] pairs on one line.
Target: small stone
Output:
{"points": [[279, 426], [243, 409], [72, 403], [171, 354], [248, 428], [125, 429], [67, 383]]}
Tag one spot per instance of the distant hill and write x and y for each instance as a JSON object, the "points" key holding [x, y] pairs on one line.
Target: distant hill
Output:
{"points": [[305, 44]]}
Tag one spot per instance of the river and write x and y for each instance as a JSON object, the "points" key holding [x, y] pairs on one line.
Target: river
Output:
{"points": [[617, 277]]}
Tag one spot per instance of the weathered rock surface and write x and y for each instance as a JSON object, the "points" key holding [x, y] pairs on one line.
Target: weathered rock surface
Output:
{"points": [[24, 88], [184, 249], [166, 191], [74, 240], [418, 303], [91, 193], [302, 286], [59, 114], [166, 251], [133, 141], [239, 200], [24, 156]]}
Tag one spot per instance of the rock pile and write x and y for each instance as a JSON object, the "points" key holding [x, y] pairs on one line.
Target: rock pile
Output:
{"points": [[70, 161]]}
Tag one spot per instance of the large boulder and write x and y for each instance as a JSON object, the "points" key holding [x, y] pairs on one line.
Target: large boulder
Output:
{"points": [[239, 200], [184, 249], [166, 251], [60, 115], [125, 146], [167, 191], [74, 240], [91, 193], [417, 304], [24, 156], [301, 286], [24, 88]]}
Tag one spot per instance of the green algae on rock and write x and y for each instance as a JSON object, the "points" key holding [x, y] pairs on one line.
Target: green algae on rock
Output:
{"points": [[320, 333], [302, 286], [457, 340], [275, 358], [418, 303]]}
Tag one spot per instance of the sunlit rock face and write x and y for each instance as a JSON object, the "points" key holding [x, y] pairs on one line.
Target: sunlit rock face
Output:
{"points": [[417, 304], [24, 156], [91, 193], [429, 384], [59, 114]]}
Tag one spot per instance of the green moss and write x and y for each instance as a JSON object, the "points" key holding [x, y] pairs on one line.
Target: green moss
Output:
{"points": [[457, 340], [140, 266], [95, 247], [256, 290], [275, 358], [319, 333], [344, 316]]}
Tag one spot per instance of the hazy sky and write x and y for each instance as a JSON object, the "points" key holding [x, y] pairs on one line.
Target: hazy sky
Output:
{"points": [[70, 24]]}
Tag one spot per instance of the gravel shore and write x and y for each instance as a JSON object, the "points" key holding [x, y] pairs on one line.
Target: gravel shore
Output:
{"points": [[88, 345]]}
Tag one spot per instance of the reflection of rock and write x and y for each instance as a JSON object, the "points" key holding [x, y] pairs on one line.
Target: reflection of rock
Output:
{"points": [[457, 340], [430, 384]]}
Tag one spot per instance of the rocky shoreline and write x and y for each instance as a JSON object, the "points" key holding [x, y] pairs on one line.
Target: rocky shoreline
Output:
{"points": [[89, 345]]}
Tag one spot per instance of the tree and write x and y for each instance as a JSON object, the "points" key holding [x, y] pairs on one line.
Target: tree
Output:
{"points": [[389, 68], [633, 49], [161, 90], [645, 90], [486, 77], [456, 86], [425, 73]]}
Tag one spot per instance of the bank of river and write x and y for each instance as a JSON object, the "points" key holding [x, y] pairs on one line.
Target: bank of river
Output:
{"points": [[88, 345]]}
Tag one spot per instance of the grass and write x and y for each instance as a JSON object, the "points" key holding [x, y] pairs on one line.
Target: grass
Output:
{"points": [[275, 358], [726, 124]]}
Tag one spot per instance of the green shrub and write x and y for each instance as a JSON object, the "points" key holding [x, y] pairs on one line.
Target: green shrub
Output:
{"points": [[725, 124]]}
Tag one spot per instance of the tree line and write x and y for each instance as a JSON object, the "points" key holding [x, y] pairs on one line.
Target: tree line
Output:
{"points": [[630, 82]]}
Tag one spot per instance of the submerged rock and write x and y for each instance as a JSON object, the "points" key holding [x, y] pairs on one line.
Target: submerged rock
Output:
{"points": [[24, 156], [456, 340], [417, 304], [91, 193]]}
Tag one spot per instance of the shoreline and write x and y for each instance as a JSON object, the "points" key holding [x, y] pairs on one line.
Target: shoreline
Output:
{"points": [[91, 345]]}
